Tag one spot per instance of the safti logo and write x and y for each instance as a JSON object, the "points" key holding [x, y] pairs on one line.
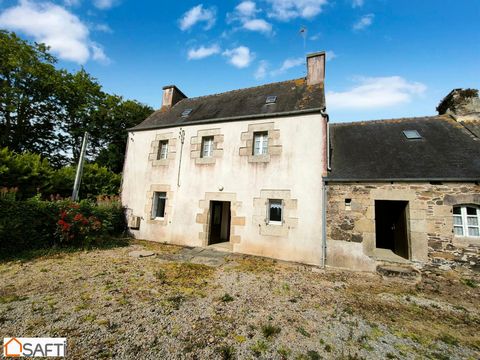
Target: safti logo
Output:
{"points": [[34, 347]]}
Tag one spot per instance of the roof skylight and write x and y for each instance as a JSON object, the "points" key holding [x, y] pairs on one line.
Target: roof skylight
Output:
{"points": [[271, 99], [186, 112], [412, 134]]}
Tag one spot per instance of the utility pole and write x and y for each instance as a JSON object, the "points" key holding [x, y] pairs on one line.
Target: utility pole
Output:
{"points": [[78, 175]]}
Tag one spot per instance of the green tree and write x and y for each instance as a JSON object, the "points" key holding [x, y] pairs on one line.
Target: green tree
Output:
{"points": [[26, 171], [29, 102], [112, 120]]}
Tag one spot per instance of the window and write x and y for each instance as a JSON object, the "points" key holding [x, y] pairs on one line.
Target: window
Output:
{"points": [[207, 146], [412, 134], [186, 112], [260, 143], [275, 209], [466, 220], [271, 99], [159, 201], [162, 150]]}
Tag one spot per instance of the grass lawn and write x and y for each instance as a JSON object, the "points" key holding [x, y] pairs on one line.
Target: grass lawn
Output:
{"points": [[111, 305]]}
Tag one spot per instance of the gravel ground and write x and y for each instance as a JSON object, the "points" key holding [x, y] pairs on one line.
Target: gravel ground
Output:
{"points": [[111, 305]]}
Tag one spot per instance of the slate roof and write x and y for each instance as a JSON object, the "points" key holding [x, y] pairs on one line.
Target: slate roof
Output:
{"points": [[473, 126], [292, 96], [378, 151]]}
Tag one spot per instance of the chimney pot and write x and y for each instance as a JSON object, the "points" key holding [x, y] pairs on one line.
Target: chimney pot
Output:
{"points": [[316, 68]]}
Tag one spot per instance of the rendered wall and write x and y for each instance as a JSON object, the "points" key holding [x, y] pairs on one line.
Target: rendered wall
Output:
{"points": [[293, 170]]}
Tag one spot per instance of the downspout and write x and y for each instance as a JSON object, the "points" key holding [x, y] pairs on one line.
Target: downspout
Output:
{"points": [[182, 140], [324, 188]]}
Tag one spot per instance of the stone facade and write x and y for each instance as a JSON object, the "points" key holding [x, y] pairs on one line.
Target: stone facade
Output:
{"points": [[351, 215]]}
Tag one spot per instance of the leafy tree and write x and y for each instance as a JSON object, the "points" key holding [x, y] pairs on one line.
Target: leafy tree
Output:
{"points": [[113, 119], [29, 102], [27, 171]]}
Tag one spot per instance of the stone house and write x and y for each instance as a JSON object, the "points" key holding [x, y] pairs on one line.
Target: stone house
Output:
{"points": [[405, 190], [241, 170]]}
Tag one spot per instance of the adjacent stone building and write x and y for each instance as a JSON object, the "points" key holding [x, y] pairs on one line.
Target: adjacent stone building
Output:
{"points": [[404, 190]]}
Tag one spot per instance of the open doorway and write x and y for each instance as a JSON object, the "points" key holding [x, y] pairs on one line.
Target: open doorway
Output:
{"points": [[392, 227], [219, 222]]}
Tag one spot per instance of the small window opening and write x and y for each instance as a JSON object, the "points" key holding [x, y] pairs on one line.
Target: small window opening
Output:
{"points": [[159, 202], [348, 204], [260, 143], [412, 134], [466, 220], [275, 210], [207, 146], [271, 99], [186, 112], [162, 150]]}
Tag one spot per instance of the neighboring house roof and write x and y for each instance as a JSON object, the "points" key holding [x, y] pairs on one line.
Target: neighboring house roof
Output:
{"points": [[378, 150], [292, 96]]}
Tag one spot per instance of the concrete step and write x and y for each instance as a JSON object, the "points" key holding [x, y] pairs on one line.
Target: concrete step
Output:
{"points": [[398, 270]]}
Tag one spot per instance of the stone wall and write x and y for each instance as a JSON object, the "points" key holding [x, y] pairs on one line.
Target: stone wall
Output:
{"points": [[351, 214]]}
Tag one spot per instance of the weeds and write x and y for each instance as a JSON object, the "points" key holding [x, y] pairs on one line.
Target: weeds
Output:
{"points": [[270, 331]]}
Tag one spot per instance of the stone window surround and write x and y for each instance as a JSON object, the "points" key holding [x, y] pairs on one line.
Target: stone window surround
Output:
{"points": [[274, 145], [196, 146], [149, 204], [260, 209], [203, 217], [172, 142]]}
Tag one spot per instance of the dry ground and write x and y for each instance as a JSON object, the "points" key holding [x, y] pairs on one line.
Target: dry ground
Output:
{"points": [[110, 305]]}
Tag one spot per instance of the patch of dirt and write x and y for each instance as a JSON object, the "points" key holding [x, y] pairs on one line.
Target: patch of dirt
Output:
{"points": [[110, 305]]}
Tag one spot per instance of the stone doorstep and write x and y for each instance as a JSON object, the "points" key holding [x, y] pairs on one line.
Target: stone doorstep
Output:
{"points": [[398, 271]]}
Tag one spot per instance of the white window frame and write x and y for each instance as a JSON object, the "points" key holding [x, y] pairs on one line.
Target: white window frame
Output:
{"points": [[461, 221], [269, 206], [157, 196], [260, 137], [162, 150], [207, 146]]}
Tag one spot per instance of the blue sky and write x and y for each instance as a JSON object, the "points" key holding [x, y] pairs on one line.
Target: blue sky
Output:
{"points": [[386, 58]]}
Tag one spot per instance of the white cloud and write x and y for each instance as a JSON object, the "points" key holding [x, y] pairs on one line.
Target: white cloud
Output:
{"points": [[103, 28], [203, 52], [239, 57], [288, 64], [53, 25], [198, 14], [364, 22], [261, 71], [289, 9], [258, 25], [375, 92], [357, 3], [330, 55], [246, 14], [247, 8], [104, 4], [98, 54]]}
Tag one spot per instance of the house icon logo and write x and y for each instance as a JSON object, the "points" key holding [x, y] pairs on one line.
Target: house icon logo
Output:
{"points": [[12, 348]]}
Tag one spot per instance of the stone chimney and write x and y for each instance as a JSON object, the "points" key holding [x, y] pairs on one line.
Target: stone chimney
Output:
{"points": [[171, 96], [316, 68], [462, 104]]}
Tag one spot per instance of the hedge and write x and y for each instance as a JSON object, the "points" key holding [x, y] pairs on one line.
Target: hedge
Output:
{"points": [[35, 224]]}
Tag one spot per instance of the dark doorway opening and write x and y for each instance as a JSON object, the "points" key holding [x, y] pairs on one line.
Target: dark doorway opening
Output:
{"points": [[391, 226], [219, 222]]}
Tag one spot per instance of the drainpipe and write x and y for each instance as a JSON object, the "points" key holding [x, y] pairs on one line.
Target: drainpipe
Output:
{"points": [[324, 188], [182, 140]]}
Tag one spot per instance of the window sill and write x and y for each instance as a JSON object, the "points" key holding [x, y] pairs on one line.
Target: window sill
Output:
{"points": [[275, 223]]}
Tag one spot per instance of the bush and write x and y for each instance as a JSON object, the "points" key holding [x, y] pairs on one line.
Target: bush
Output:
{"points": [[35, 224]]}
